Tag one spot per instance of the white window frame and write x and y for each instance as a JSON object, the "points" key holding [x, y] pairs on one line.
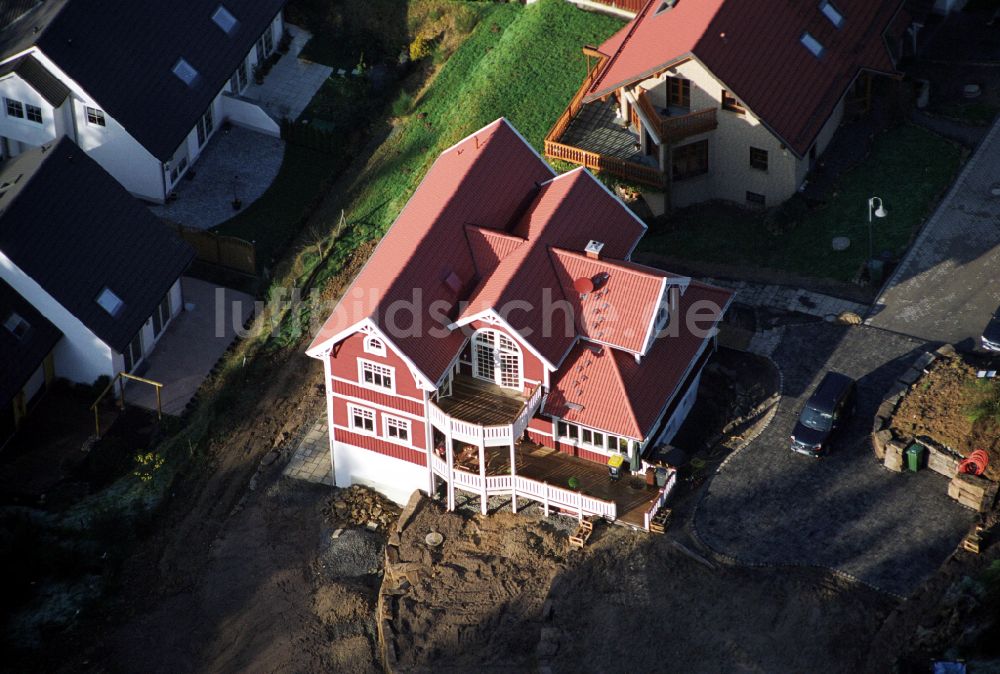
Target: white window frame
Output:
{"points": [[578, 441], [497, 354], [14, 108], [364, 365], [31, 111], [374, 345], [94, 116], [397, 422], [365, 413]]}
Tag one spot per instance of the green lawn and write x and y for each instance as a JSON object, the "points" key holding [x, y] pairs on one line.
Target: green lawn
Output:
{"points": [[521, 62], [909, 168]]}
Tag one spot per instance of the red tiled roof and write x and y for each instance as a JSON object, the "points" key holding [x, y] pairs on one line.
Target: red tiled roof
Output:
{"points": [[568, 212], [592, 383], [621, 308], [753, 48], [482, 180], [489, 247]]}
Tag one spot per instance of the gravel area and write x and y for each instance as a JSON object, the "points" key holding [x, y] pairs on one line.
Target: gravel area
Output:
{"points": [[845, 512], [353, 553]]}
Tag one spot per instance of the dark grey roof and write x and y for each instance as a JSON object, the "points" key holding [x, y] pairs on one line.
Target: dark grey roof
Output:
{"points": [[41, 80], [19, 358], [122, 54], [72, 228]]}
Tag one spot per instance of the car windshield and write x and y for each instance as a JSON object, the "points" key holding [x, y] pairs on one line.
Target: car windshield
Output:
{"points": [[816, 420]]}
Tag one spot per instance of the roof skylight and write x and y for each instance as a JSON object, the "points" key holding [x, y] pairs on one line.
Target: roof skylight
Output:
{"points": [[110, 302], [16, 325], [185, 72], [832, 13], [812, 44], [224, 19]]}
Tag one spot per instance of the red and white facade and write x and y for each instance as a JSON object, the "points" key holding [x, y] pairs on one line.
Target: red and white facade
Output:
{"points": [[503, 278]]}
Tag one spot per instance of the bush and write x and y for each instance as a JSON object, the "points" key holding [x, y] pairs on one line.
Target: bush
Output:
{"points": [[401, 106], [421, 48]]}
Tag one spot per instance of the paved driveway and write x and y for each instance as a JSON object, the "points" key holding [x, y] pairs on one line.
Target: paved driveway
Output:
{"points": [[947, 286], [846, 512]]}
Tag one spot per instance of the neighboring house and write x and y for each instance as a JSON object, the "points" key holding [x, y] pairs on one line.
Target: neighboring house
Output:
{"points": [[86, 260], [501, 314], [27, 344], [141, 87], [727, 99]]}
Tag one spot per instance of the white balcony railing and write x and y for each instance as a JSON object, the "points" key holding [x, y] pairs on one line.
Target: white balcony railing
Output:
{"points": [[473, 433]]}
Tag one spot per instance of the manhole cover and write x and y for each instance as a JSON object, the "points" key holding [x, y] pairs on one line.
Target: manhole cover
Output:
{"points": [[433, 539], [841, 243]]}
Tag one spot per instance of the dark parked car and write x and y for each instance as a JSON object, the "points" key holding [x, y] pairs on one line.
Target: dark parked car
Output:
{"points": [[823, 415], [991, 335]]}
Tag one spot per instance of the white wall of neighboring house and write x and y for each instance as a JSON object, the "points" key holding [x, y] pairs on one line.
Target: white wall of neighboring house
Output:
{"points": [[149, 338], [730, 175], [112, 146], [21, 129], [80, 355]]}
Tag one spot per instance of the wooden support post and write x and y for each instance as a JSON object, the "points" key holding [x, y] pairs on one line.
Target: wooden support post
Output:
{"points": [[450, 453], [97, 423], [482, 474], [513, 478], [159, 408]]}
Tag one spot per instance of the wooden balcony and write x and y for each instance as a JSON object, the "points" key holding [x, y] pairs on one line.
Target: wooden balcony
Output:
{"points": [[672, 128], [480, 412]]}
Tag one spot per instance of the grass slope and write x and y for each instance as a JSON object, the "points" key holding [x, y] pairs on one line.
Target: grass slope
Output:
{"points": [[909, 168], [523, 63]]}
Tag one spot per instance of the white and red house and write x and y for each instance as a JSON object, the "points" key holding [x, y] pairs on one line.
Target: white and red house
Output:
{"points": [[501, 313]]}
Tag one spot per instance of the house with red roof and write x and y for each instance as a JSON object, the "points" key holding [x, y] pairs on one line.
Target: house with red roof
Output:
{"points": [[727, 99], [500, 337]]}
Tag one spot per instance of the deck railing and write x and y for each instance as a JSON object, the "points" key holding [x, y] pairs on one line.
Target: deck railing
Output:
{"points": [[471, 432], [676, 127], [661, 498], [633, 6], [594, 160]]}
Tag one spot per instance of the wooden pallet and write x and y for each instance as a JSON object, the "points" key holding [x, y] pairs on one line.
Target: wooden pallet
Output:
{"points": [[582, 535], [660, 521], [973, 540]]}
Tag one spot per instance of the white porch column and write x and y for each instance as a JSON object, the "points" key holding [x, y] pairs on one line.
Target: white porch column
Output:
{"points": [[513, 481], [429, 445], [450, 453], [482, 473]]}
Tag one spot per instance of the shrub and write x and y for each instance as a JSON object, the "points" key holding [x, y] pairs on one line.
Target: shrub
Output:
{"points": [[573, 483], [421, 48], [401, 106]]}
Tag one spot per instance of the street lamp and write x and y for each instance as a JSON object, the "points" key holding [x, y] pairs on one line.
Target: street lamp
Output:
{"points": [[879, 212]]}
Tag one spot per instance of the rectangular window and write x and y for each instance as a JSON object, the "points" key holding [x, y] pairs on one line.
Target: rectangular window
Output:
{"points": [[568, 430], [205, 126], [185, 72], [162, 315], [33, 113], [755, 199], [224, 19], [95, 116], [268, 41], [16, 325], [133, 352], [376, 375], [238, 81], [690, 160], [397, 430], [729, 102], [14, 108], [586, 436], [758, 159], [109, 301], [362, 419], [678, 92]]}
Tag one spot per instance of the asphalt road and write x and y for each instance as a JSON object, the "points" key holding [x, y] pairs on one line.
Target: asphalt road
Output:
{"points": [[946, 288], [767, 505]]}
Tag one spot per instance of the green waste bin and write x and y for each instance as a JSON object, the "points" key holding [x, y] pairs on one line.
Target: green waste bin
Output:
{"points": [[915, 456]]}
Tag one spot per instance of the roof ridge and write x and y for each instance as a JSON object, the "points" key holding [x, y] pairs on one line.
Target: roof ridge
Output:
{"points": [[621, 385], [611, 261]]}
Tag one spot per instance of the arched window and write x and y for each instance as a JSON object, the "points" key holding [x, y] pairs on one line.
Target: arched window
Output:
{"points": [[374, 346], [496, 358]]}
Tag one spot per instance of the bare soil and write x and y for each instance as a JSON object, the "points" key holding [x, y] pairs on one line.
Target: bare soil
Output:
{"points": [[506, 593], [939, 406]]}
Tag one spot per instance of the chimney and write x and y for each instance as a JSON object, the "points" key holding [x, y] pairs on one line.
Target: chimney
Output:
{"points": [[593, 249]]}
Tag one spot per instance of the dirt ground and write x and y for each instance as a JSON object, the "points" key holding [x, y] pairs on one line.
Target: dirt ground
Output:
{"points": [[506, 593], [938, 406]]}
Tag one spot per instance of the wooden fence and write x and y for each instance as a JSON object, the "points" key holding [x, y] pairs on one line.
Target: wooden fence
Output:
{"points": [[225, 251], [633, 6]]}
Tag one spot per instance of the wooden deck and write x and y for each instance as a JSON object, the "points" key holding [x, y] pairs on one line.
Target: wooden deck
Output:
{"points": [[481, 402], [549, 465]]}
